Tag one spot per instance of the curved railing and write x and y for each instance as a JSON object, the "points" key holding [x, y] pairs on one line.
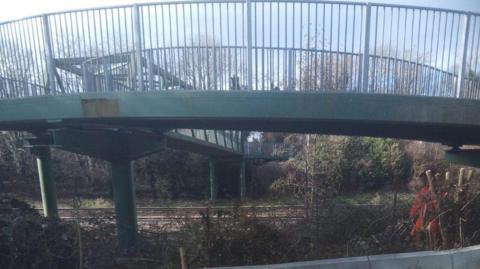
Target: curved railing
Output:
{"points": [[262, 149], [276, 45]]}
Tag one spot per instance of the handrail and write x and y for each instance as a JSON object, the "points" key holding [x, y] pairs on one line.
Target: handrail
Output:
{"points": [[311, 45], [242, 1]]}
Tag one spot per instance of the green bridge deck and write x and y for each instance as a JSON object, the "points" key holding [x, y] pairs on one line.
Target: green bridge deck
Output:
{"points": [[115, 92], [123, 126], [446, 120]]}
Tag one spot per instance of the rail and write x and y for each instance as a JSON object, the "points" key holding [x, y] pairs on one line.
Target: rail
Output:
{"points": [[276, 45]]}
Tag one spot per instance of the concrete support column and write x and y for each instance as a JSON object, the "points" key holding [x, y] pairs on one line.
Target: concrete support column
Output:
{"points": [[124, 199], [213, 181], [47, 184], [242, 180]]}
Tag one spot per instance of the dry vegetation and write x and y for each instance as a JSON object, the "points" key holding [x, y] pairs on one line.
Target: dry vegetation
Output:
{"points": [[361, 196]]}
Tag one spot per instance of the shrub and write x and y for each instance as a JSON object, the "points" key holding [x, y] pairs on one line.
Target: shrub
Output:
{"points": [[227, 238], [28, 240], [344, 164]]}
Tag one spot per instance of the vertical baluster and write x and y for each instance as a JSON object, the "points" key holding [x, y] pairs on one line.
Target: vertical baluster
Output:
{"points": [[366, 46], [461, 71], [49, 55], [249, 46], [138, 46]]}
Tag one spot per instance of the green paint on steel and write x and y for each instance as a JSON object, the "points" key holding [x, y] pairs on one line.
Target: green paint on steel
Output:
{"points": [[448, 120], [243, 187], [103, 144], [47, 183], [469, 157], [264, 157], [197, 145], [213, 183], [124, 198]]}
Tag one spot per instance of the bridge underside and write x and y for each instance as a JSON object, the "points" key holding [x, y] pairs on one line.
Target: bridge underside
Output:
{"points": [[123, 126], [449, 121]]}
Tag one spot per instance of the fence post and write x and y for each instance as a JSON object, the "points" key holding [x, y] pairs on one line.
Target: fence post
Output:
{"points": [[213, 180], [138, 46], [86, 78], [107, 75], [249, 46], [243, 186], [291, 70], [150, 64], [466, 29], [366, 47], [47, 39]]}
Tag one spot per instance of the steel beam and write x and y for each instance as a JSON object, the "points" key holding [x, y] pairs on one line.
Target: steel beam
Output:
{"points": [[124, 199], [468, 157], [47, 184], [447, 120]]}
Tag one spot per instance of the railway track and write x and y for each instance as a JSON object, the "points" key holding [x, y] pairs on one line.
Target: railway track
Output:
{"points": [[189, 212], [173, 218]]}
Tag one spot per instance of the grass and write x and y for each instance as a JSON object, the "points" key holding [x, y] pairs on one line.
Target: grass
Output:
{"points": [[271, 201], [67, 203], [375, 198]]}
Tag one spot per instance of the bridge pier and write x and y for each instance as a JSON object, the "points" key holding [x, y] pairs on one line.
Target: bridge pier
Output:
{"points": [[242, 180], [117, 147], [213, 181], [47, 183], [120, 148], [124, 200]]}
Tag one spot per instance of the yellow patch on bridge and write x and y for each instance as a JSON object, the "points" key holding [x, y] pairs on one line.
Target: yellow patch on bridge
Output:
{"points": [[100, 107]]}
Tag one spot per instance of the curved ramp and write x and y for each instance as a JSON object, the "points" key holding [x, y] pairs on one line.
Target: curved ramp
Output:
{"points": [[447, 120], [232, 45], [114, 82]]}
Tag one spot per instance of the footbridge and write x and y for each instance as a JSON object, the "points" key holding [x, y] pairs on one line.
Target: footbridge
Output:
{"points": [[119, 83]]}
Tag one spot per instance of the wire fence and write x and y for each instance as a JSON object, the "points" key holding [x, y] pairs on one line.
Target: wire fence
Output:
{"points": [[250, 45]]}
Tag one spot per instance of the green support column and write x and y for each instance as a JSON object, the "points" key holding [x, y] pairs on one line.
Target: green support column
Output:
{"points": [[242, 180], [124, 198], [47, 184], [213, 181]]}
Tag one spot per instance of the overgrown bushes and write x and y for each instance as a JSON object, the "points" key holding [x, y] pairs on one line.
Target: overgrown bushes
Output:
{"points": [[343, 164], [228, 238], [28, 240]]}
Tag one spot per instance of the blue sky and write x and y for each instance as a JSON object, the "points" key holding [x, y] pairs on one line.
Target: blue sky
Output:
{"points": [[22, 8]]}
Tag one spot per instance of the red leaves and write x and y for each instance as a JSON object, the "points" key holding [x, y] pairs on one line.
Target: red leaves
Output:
{"points": [[423, 210], [417, 226]]}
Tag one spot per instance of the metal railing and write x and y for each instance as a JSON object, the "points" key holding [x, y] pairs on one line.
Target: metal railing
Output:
{"points": [[262, 149], [276, 45], [228, 139]]}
